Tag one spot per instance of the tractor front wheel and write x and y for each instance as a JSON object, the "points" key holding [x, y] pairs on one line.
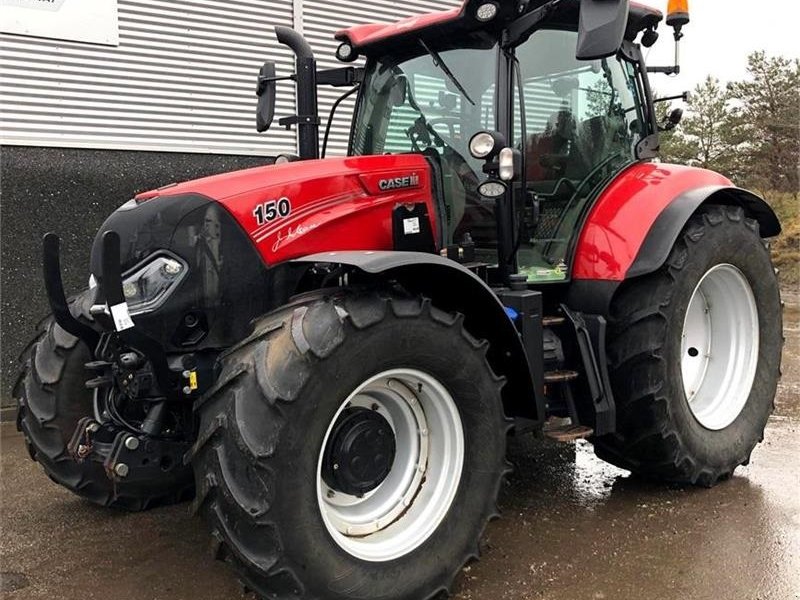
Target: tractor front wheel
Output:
{"points": [[353, 447], [695, 354]]}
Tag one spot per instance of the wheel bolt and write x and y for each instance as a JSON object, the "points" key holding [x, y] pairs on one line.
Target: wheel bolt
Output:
{"points": [[131, 442], [121, 469]]}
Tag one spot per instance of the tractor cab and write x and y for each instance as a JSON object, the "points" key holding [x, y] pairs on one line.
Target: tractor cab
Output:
{"points": [[561, 83]]}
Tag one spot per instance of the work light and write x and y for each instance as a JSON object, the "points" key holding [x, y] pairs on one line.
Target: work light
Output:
{"points": [[486, 144], [486, 12]]}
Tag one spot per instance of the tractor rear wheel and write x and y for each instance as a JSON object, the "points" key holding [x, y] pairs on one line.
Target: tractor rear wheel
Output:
{"points": [[353, 446], [52, 398], [695, 354]]}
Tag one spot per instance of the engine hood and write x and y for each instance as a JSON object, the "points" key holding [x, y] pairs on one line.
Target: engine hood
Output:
{"points": [[346, 202]]}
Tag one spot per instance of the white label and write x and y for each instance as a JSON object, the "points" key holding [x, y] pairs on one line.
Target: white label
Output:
{"points": [[92, 21], [411, 225], [121, 316]]}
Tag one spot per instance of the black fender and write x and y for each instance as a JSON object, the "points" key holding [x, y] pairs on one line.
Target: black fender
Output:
{"points": [[453, 288], [667, 227], [595, 296]]}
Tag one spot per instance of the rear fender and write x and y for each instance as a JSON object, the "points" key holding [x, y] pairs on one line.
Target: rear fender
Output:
{"points": [[667, 227], [453, 288], [636, 221]]}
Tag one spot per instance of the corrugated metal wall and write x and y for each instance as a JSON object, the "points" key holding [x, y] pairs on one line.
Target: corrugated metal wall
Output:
{"points": [[182, 78]]}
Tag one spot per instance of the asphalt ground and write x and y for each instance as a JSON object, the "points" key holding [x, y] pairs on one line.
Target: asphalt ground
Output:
{"points": [[573, 528]]}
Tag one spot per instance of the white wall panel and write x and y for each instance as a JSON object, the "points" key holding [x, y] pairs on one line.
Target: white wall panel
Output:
{"points": [[182, 79]]}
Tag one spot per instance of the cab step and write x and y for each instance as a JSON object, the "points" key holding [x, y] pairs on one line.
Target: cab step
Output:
{"points": [[568, 433], [559, 376], [552, 321]]}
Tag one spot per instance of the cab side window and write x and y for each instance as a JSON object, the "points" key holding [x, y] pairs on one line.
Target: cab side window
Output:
{"points": [[578, 114]]}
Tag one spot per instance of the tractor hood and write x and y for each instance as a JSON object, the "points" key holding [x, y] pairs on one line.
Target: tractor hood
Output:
{"points": [[231, 230], [304, 207]]}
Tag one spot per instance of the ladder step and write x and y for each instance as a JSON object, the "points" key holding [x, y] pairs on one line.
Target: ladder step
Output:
{"points": [[552, 321], [568, 433], [559, 376]]}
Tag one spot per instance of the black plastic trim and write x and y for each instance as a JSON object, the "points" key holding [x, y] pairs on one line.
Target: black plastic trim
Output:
{"points": [[667, 227], [453, 288]]}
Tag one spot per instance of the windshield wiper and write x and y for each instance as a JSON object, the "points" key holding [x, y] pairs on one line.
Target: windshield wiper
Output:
{"points": [[438, 62]]}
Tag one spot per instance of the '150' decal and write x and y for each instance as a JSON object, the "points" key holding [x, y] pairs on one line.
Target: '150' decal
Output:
{"points": [[271, 210]]}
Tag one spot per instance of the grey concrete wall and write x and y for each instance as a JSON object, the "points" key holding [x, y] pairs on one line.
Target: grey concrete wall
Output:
{"points": [[69, 191]]}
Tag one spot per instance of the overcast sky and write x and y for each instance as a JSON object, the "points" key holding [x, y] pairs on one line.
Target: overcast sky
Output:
{"points": [[721, 35]]}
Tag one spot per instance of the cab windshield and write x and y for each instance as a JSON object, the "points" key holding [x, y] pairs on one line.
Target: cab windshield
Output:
{"points": [[434, 103], [576, 123]]}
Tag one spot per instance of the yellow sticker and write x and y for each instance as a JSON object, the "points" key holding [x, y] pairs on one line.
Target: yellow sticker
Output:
{"points": [[193, 380]]}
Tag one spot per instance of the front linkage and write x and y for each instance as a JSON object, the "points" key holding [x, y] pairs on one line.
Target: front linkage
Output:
{"points": [[141, 424]]}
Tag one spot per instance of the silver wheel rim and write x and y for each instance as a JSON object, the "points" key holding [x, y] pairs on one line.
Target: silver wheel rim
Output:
{"points": [[409, 505], [719, 346]]}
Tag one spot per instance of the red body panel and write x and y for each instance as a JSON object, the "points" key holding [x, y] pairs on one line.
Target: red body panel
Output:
{"points": [[623, 214], [363, 35], [346, 202]]}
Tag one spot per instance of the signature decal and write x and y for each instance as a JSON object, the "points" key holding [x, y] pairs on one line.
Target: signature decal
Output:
{"points": [[292, 234]]}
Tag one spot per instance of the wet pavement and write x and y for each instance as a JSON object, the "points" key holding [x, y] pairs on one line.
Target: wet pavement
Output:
{"points": [[573, 528]]}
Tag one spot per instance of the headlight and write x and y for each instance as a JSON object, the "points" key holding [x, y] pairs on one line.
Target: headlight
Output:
{"points": [[150, 284], [486, 144]]}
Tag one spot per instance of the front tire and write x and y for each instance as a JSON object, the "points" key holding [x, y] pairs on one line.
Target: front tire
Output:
{"points": [[305, 496], [694, 352]]}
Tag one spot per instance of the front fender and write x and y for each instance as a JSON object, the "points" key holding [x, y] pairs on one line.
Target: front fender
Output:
{"points": [[453, 288]]}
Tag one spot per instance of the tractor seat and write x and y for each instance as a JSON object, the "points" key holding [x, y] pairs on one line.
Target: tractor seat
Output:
{"points": [[548, 153]]}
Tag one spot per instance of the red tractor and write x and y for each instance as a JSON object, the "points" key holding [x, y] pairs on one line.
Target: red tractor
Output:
{"points": [[328, 355]]}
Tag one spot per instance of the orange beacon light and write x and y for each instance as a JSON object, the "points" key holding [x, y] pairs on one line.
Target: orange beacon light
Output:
{"points": [[678, 13]]}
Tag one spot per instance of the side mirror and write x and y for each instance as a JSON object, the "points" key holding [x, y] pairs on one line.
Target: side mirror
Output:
{"points": [[265, 90], [673, 119], [601, 28]]}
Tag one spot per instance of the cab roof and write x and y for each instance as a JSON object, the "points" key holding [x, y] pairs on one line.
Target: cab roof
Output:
{"points": [[375, 37]]}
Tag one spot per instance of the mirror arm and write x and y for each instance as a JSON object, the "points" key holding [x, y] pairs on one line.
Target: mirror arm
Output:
{"points": [[684, 96], [673, 70]]}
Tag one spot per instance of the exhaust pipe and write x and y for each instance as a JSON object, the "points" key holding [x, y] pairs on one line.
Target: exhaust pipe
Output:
{"points": [[307, 118]]}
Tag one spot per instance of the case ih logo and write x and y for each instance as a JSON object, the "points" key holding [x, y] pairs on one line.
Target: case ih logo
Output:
{"points": [[396, 183]]}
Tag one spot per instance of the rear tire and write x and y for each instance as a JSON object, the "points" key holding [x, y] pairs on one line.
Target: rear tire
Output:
{"points": [[265, 428], [669, 427], [52, 397]]}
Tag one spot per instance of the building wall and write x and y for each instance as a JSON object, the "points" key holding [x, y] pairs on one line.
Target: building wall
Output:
{"points": [[182, 78]]}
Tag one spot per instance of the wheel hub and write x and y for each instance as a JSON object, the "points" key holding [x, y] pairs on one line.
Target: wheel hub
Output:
{"points": [[410, 474], [360, 452], [719, 346]]}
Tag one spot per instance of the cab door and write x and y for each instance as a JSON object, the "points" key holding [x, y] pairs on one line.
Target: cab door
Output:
{"points": [[579, 124]]}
